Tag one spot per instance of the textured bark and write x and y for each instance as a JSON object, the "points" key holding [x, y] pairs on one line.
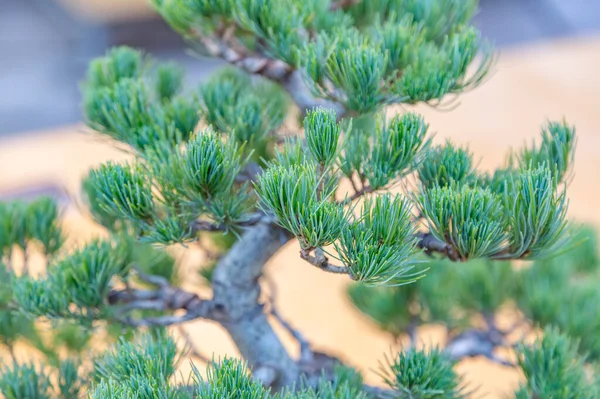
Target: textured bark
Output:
{"points": [[235, 303], [276, 70], [295, 86]]}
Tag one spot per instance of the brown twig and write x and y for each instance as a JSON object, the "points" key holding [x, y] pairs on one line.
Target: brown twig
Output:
{"points": [[321, 261], [341, 4], [357, 193], [164, 298], [430, 244]]}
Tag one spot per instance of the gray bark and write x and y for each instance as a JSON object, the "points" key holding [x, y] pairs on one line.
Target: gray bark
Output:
{"points": [[236, 293], [295, 86]]}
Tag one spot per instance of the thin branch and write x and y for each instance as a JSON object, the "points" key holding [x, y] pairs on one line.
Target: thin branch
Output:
{"points": [[25, 262], [250, 62], [357, 193], [193, 351], [165, 298], [380, 393], [158, 281], [361, 192], [159, 321], [203, 225], [341, 4], [474, 343], [306, 353], [322, 262], [276, 70], [11, 351], [411, 331], [249, 173], [430, 244]]}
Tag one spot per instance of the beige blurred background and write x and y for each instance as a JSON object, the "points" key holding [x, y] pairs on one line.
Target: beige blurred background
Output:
{"points": [[549, 51]]}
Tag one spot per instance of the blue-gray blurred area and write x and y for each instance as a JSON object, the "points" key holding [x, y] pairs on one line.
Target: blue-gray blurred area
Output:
{"points": [[45, 46]]}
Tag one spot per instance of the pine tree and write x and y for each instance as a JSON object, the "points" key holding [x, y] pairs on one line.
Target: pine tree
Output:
{"points": [[212, 166]]}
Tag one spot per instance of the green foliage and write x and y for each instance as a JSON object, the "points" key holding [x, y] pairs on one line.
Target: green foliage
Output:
{"points": [[24, 381], [556, 150], [210, 166], [14, 225], [563, 293], [93, 198], [400, 38], [248, 110], [358, 68], [441, 70], [228, 379], [70, 382], [141, 111], [28, 381], [447, 165], [36, 222], [418, 374], [123, 191], [72, 337], [279, 24], [322, 135], [437, 18], [137, 387], [537, 215], [448, 295], [169, 80], [299, 199], [379, 247], [394, 63], [163, 196], [388, 307], [346, 384], [583, 257], [470, 219], [118, 64], [137, 369], [123, 111], [388, 153], [152, 356], [485, 285], [83, 279], [155, 261], [554, 369], [43, 224]]}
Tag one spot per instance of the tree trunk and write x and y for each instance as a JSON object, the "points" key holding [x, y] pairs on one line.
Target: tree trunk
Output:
{"points": [[236, 292]]}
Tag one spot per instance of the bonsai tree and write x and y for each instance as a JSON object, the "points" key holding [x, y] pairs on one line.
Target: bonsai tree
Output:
{"points": [[422, 234]]}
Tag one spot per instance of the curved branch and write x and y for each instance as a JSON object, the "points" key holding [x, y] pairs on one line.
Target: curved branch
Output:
{"points": [[276, 70], [250, 62], [306, 353], [203, 225], [165, 298], [430, 244], [236, 294], [321, 261], [472, 343]]}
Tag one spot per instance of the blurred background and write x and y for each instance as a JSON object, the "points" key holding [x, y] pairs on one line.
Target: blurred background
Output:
{"points": [[45, 46]]}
